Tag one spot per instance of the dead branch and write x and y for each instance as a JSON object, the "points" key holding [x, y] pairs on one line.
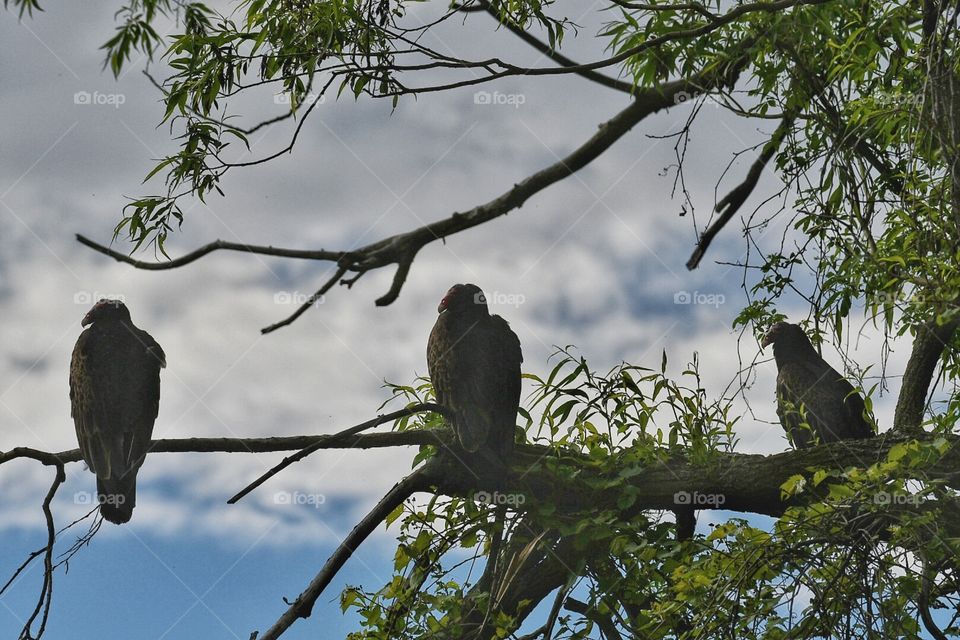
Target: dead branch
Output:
{"points": [[45, 600]]}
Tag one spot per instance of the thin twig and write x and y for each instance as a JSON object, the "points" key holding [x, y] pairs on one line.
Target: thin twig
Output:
{"points": [[346, 433]]}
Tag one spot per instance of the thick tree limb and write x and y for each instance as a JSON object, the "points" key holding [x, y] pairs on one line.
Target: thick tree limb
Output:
{"points": [[928, 345], [401, 249], [749, 483]]}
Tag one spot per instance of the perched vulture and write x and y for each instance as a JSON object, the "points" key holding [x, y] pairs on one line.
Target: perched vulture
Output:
{"points": [[114, 399], [811, 391], [474, 362]]}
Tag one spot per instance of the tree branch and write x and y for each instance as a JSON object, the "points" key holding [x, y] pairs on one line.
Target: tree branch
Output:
{"points": [[605, 623], [749, 483], [302, 607], [401, 249], [346, 433], [45, 599], [731, 203], [554, 55], [928, 345]]}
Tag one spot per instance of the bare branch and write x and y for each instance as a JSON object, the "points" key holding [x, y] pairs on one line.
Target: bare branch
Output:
{"points": [[216, 245], [401, 249], [731, 203], [412, 438], [302, 607], [306, 305], [346, 433], [45, 599]]}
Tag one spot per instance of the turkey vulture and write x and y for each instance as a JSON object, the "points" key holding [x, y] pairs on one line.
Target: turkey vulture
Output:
{"points": [[811, 391], [114, 400], [474, 362]]}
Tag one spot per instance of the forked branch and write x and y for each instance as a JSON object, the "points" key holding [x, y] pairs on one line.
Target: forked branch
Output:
{"points": [[401, 249]]}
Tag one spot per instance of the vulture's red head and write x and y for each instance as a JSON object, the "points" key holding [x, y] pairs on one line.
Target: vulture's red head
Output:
{"points": [[463, 298], [106, 309], [784, 334]]}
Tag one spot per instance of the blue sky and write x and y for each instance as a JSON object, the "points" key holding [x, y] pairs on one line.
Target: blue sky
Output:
{"points": [[597, 261]]}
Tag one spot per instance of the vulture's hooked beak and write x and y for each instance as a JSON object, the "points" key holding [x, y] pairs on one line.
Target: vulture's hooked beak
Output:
{"points": [[87, 320]]}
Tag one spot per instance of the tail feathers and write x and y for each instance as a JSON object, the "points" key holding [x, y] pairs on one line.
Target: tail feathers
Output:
{"points": [[117, 497], [472, 430]]}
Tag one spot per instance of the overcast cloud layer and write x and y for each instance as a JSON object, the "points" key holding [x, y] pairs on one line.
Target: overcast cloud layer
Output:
{"points": [[595, 261]]}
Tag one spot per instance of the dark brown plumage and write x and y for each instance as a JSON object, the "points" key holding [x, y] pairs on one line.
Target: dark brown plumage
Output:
{"points": [[114, 400], [474, 362], [811, 391]]}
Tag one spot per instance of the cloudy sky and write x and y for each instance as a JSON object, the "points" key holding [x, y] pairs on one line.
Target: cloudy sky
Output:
{"points": [[596, 262]]}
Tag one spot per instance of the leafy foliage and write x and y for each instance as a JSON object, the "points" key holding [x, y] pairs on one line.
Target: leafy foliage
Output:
{"points": [[865, 531]]}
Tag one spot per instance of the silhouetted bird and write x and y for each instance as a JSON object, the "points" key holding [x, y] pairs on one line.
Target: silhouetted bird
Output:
{"points": [[811, 392], [114, 400], [474, 362]]}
